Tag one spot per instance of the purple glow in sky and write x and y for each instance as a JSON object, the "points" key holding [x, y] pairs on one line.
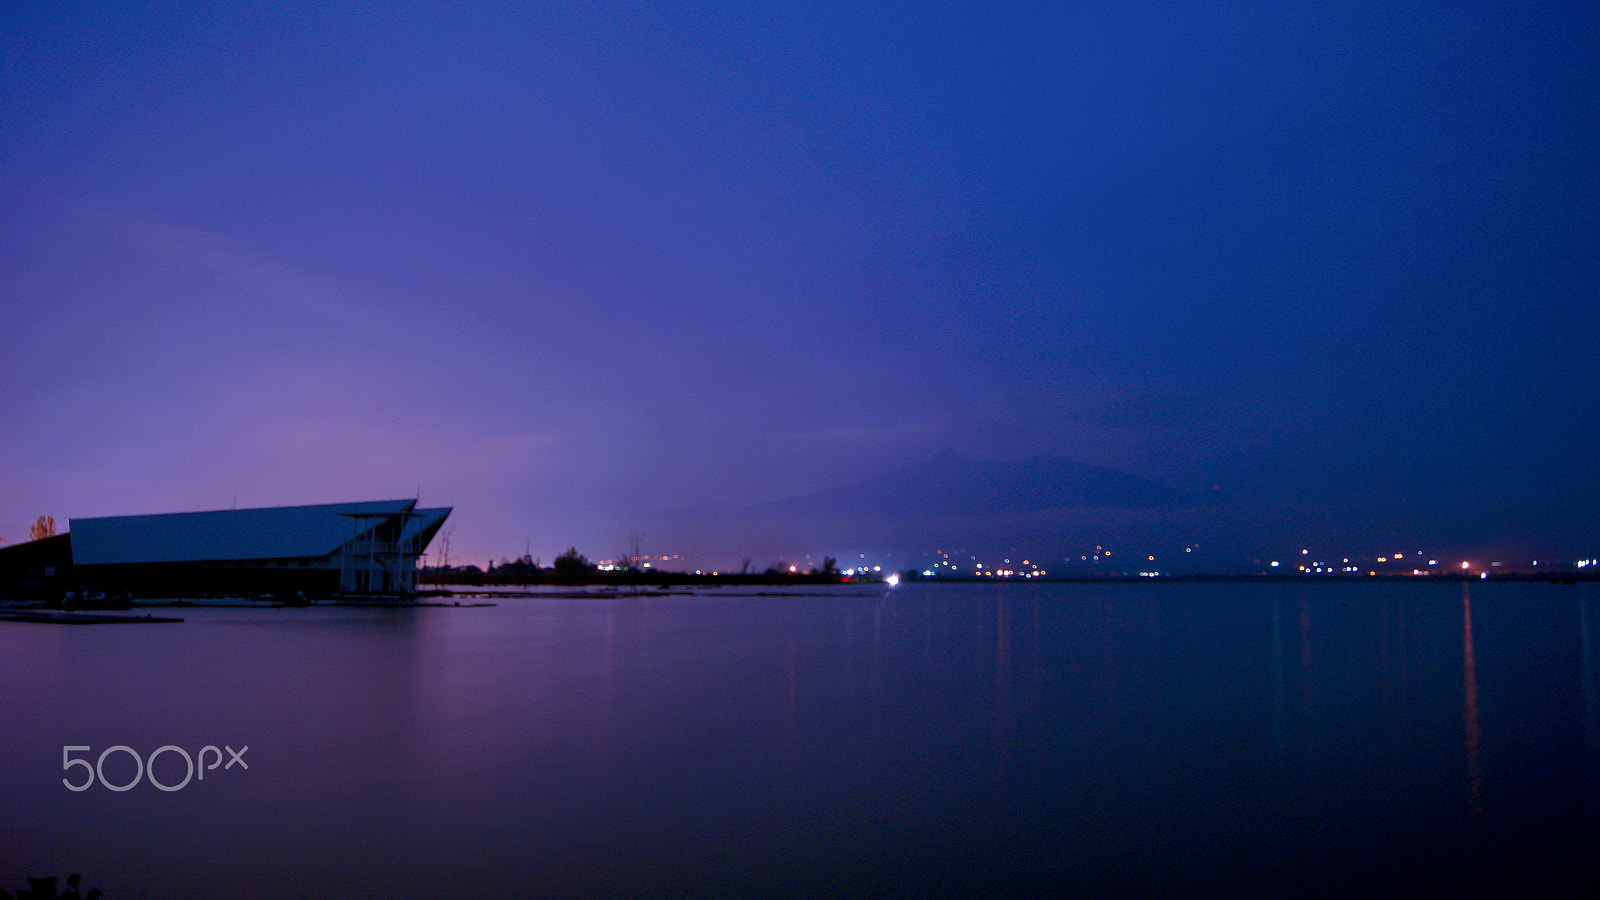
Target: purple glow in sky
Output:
{"points": [[584, 272]]}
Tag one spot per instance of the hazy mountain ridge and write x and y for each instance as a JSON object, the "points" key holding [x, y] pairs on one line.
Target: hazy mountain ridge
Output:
{"points": [[948, 485]]}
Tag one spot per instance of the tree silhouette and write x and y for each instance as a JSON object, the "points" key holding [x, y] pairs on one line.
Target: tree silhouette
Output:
{"points": [[45, 889], [572, 565]]}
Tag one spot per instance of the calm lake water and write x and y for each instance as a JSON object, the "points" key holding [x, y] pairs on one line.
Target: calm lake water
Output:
{"points": [[1104, 740]]}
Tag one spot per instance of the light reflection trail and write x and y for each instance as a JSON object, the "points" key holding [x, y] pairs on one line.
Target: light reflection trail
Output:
{"points": [[1591, 718], [1469, 709], [1280, 700], [1002, 683]]}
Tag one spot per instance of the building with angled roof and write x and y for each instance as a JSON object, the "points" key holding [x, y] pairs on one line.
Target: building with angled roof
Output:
{"points": [[358, 548]]}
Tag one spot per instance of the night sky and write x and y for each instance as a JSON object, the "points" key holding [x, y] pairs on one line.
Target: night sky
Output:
{"points": [[766, 280]]}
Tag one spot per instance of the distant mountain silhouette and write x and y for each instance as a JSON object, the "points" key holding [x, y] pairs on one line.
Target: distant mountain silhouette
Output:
{"points": [[948, 485], [1040, 501]]}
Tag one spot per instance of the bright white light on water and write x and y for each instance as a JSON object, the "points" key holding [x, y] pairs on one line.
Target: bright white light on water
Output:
{"points": [[893, 580]]}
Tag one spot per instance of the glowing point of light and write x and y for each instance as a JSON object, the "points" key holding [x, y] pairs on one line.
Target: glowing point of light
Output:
{"points": [[893, 580], [1274, 564], [791, 570], [1463, 564]]}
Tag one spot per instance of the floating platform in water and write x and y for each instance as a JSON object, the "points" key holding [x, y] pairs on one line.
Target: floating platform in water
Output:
{"points": [[78, 618]]}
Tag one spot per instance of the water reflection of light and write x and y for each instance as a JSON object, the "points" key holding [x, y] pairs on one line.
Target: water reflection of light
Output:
{"points": [[1280, 700], [1305, 644], [1591, 717], [1004, 720], [789, 729], [1469, 697]]}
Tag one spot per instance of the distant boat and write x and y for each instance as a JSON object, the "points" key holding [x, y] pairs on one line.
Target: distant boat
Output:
{"points": [[91, 597]]}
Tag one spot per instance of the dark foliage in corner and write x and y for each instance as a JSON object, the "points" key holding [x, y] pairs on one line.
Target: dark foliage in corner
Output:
{"points": [[45, 889]]}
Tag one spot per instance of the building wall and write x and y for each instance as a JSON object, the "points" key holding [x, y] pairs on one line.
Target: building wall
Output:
{"points": [[197, 580], [366, 547], [36, 570]]}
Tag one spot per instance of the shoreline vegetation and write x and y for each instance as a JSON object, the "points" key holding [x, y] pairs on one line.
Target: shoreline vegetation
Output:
{"points": [[438, 585], [442, 583], [571, 569]]}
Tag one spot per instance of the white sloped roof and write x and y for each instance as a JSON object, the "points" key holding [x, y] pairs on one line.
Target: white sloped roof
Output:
{"points": [[424, 523], [232, 534]]}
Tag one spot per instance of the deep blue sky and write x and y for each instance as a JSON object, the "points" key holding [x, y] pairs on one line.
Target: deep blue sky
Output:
{"points": [[589, 270]]}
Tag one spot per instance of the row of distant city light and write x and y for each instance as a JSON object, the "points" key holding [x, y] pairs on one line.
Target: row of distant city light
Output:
{"points": [[979, 570], [1030, 569], [612, 565], [1101, 552], [1345, 566], [795, 570], [994, 573]]}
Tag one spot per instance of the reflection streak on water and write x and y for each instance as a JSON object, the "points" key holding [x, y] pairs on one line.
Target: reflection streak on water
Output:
{"points": [[1002, 683], [1280, 698], [1591, 716], [1469, 695], [1105, 736]]}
